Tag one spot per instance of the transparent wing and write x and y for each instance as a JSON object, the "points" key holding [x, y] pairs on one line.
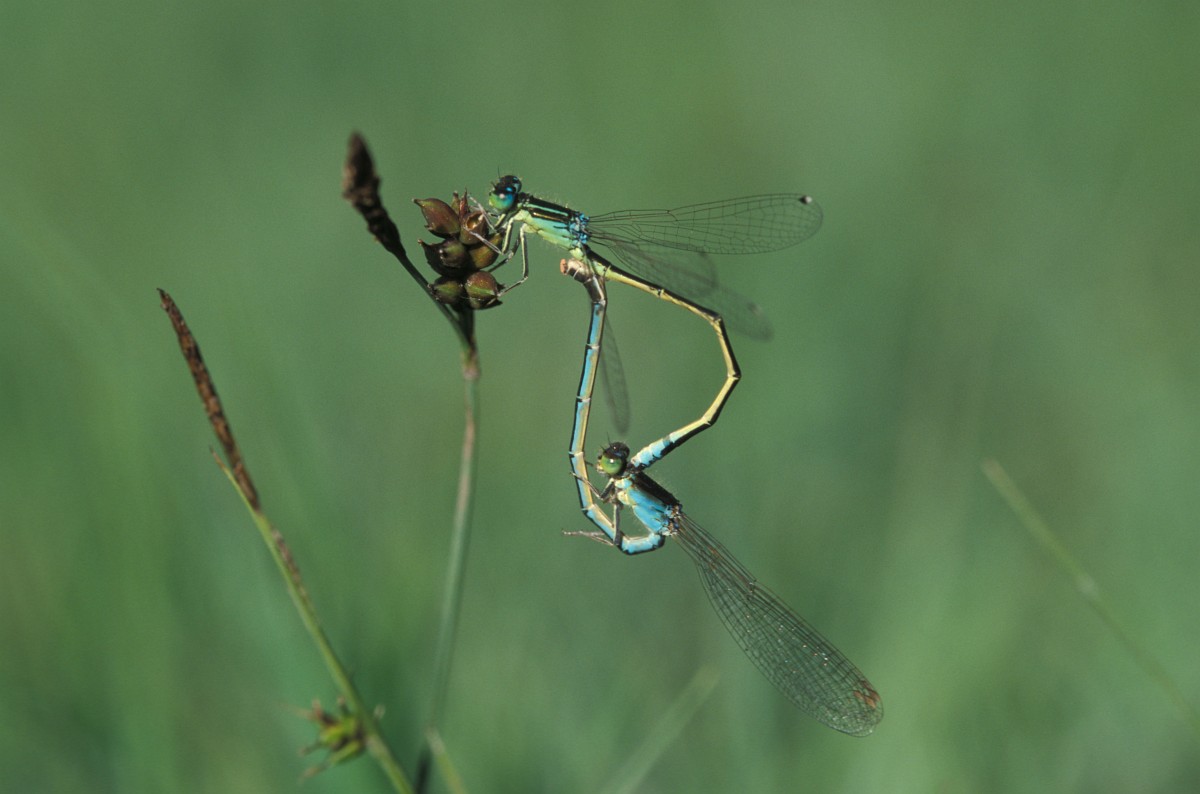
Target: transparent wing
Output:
{"points": [[690, 273], [612, 376], [693, 276], [813, 674], [732, 226]]}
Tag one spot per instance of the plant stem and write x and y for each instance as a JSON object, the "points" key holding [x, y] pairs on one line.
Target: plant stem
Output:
{"points": [[460, 535], [360, 186], [1087, 588], [373, 739], [239, 476]]}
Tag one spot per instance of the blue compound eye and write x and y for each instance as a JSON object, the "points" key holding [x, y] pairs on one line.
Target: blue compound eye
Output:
{"points": [[504, 193]]}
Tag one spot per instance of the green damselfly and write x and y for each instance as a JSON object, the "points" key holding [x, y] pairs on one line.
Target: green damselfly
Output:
{"points": [[665, 254]]}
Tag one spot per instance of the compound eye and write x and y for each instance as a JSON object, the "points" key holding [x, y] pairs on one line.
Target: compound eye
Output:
{"points": [[504, 193], [613, 459]]}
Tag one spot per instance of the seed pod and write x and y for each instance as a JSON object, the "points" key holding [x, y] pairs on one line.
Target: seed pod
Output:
{"points": [[440, 218], [447, 290], [483, 291]]}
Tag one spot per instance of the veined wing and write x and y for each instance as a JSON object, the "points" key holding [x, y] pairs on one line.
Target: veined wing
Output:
{"points": [[612, 376], [754, 224], [813, 674], [692, 275]]}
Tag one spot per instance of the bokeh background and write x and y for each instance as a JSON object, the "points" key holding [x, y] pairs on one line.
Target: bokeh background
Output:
{"points": [[1008, 270]]}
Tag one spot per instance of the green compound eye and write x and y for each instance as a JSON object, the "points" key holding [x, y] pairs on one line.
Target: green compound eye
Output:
{"points": [[613, 459]]}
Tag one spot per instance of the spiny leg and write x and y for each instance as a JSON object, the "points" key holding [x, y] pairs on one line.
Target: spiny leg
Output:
{"points": [[613, 536], [524, 259]]}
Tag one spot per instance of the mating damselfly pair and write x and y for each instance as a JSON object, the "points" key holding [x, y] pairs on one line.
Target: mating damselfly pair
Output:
{"points": [[665, 253]]}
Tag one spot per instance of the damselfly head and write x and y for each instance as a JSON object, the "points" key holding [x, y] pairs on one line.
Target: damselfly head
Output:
{"points": [[504, 193], [613, 459]]}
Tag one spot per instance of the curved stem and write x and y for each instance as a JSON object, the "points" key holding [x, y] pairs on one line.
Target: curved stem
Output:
{"points": [[239, 476]]}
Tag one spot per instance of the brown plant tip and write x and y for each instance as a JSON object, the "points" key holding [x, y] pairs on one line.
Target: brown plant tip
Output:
{"points": [[358, 173], [208, 396], [360, 187]]}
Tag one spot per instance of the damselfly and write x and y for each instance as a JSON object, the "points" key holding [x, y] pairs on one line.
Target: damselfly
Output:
{"points": [[813, 674], [665, 254]]}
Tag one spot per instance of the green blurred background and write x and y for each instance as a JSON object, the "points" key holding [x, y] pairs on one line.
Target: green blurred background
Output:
{"points": [[1007, 269]]}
